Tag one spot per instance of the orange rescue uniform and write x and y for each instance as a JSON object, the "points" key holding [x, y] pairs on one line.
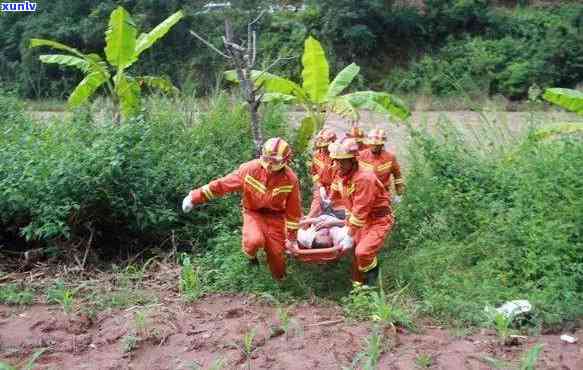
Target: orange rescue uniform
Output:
{"points": [[369, 216], [271, 208], [385, 166], [323, 172]]}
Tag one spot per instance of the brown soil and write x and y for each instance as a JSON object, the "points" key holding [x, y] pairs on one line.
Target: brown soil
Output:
{"points": [[177, 335]]}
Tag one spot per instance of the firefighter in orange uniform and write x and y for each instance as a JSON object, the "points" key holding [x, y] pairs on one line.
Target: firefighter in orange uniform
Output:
{"points": [[322, 169], [368, 207], [271, 203], [357, 134], [382, 162]]}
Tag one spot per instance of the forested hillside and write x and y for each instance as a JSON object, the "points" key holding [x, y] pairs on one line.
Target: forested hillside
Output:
{"points": [[435, 47]]}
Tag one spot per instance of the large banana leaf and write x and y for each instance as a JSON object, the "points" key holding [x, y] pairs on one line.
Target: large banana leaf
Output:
{"points": [[270, 82], [307, 128], [278, 97], [558, 129], [34, 43], [158, 83], [120, 39], [128, 92], [379, 102], [342, 106], [571, 100], [148, 39], [86, 88], [66, 60], [342, 80], [316, 71]]}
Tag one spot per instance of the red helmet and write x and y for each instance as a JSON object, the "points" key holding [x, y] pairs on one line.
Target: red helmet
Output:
{"points": [[376, 137], [356, 133], [325, 137], [343, 149]]}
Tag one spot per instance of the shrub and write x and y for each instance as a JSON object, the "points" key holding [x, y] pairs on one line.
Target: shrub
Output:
{"points": [[64, 180], [478, 229]]}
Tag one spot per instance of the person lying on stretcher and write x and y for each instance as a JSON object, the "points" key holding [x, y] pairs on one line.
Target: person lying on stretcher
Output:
{"points": [[324, 231]]}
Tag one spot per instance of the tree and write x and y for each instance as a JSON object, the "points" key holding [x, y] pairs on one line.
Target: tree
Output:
{"points": [[123, 48], [319, 96], [243, 59]]}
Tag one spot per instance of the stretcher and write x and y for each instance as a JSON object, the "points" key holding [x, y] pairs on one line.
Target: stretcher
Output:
{"points": [[318, 256]]}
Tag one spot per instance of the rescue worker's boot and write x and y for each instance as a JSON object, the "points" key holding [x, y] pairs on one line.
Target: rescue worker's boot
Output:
{"points": [[253, 262], [371, 277]]}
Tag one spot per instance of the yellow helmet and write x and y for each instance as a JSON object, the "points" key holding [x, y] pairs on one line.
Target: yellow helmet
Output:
{"points": [[325, 137], [376, 137], [343, 149], [356, 133], [275, 153]]}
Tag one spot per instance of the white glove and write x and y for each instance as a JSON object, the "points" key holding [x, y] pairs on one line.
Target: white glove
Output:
{"points": [[187, 204], [396, 199], [346, 243]]}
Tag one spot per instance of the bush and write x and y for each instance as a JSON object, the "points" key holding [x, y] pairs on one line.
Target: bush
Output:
{"points": [[477, 230], [515, 51], [64, 180]]}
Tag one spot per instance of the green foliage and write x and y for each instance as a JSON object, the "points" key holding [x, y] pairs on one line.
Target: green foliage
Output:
{"points": [[318, 96], [374, 346], [64, 179], [364, 303], [122, 49], [15, 295], [58, 294], [190, 286], [424, 361], [513, 51], [483, 224], [571, 100], [378, 35]]}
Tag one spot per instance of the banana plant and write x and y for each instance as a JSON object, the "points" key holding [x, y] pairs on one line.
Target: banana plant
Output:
{"points": [[571, 100], [123, 48], [319, 96]]}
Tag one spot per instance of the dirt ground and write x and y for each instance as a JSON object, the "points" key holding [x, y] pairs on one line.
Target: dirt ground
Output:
{"points": [[176, 335]]}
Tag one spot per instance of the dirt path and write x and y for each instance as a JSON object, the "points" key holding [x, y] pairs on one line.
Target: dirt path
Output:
{"points": [[177, 335]]}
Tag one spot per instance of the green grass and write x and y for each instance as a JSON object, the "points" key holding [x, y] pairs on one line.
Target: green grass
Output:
{"points": [[13, 294], [484, 222]]}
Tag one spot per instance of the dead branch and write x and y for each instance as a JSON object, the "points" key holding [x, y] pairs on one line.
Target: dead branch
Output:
{"points": [[209, 44], [326, 323]]}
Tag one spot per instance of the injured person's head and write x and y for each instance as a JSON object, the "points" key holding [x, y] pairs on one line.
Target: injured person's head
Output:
{"points": [[323, 239]]}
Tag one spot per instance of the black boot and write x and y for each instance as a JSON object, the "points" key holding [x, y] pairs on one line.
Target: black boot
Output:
{"points": [[253, 262], [371, 277]]}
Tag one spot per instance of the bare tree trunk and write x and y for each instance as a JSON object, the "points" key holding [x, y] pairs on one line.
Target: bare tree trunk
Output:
{"points": [[243, 60]]}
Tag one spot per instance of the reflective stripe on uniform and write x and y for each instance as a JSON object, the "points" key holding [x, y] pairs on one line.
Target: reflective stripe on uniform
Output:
{"points": [[356, 221], [255, 184], [206, 190], [366, 165], [384, 167], [350, 189], [374, 264], [292, 225], [282, 189]]}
